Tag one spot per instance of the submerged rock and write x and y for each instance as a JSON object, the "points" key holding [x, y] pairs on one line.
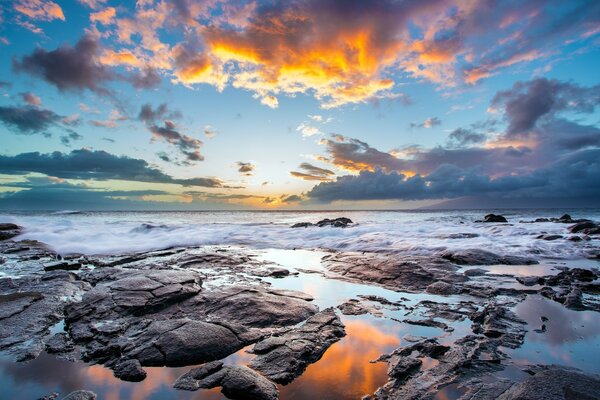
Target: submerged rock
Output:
{"points": [[283, 358], [237, 382], [585, 227]]}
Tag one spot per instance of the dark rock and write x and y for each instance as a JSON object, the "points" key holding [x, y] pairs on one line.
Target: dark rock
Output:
{"points": [[302, 225], [352, 307], [81, 395], [62, 265], [549, 237], [129, 370], [443, 288], [482, 257], [586, 227], [575, 238], [237, 382], [566, 218], [283, 358], [494, 218], [9, 231], [402, 367], [495, 321], [541, 220], [555, 382], [475, 272], [530, 280], [59, 343]]}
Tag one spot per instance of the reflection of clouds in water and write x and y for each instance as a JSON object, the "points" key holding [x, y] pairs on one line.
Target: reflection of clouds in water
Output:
{"points": [[563, 326], [345, 371]]}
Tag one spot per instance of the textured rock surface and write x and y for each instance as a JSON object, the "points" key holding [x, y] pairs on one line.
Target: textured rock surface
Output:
{"points": [[237, 382], [283, 358]]}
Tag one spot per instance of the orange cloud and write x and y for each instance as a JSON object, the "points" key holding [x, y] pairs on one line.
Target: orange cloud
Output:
{"points": [[40, 9], [105, 16]]}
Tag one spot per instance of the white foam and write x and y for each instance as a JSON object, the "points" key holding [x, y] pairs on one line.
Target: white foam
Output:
{"points": [[418, 233]]}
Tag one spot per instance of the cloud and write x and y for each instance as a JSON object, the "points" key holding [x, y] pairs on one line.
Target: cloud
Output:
{"points": [[210, 132], [31, 99], [112, 122], [146, 79], [428, 123], [69, 137], [98, 165], [69, 68], [313, 173], [526, 103], [104, 17], [246, 168], [168, 131], [28, 119], [462, 137], [42, 10], [577, 175]]}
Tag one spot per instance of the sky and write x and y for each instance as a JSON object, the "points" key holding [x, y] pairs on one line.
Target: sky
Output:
{"points": [[301, 104]]}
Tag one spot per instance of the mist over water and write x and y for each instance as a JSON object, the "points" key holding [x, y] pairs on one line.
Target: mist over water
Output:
{"points": [[402, 232]]}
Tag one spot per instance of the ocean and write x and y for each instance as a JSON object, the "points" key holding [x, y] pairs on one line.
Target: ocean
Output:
{"points": [[413, 232]]}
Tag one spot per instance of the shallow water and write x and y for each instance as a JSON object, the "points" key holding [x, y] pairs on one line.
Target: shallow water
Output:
{"points": [[572, 338]]}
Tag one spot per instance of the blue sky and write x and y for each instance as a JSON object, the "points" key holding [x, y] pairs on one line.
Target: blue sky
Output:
{"points": [[300, 104]]}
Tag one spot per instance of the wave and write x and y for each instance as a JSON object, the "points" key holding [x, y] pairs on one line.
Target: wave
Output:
{"points": [[423, 236]]}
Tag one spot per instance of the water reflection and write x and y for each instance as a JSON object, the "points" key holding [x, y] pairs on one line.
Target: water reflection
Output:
{"points": [[571, 338]]}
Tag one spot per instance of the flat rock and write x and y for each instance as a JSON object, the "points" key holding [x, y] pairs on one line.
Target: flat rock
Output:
{"points": [[482, 257], [129, 370], [283, 358]]}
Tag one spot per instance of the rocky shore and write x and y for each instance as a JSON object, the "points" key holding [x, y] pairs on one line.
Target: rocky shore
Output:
{"points": [[195, 307]]}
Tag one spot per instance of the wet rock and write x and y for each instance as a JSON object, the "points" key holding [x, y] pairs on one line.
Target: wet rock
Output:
{"points": [[530, 280], [402, 367], [494, 218], [337, 222], [575, 238], [496, 321], [412, 274], [283, 358], [80, 395], [573, 300], [29, 306], [129, 370], [541, 220], [430, 322], [51, 396], [9, 231], [302, 225], [62, 265], [565, 218], [237, 382], [554, 382], [571, 276], [585, 227], [352, 307], [482, 257], [475, 272], [443, 288], [59, 343], [549, 237]]}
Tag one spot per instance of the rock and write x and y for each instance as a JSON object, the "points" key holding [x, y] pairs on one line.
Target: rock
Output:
{"points": [[575, 238], [442, 288], [283, 358], [237, 382], [62, 265], [276, 272], [586, 227], [59, 343], [494, 218], [530, 280], [482, 257], [391, 272], [549, 237], [541, 220], [565, 218], [9, 231], [402, 367], [495, 321], [302, 225], [81, 395], [475, 272], [336, 223], [574, 298], [129, 370], [352, 307], [555, 382]]}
